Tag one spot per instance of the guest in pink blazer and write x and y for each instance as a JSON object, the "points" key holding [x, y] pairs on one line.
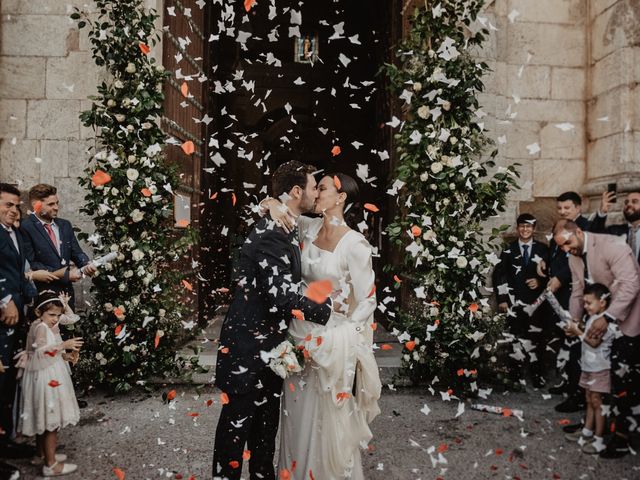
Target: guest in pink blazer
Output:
{"points": [[598, 258]]}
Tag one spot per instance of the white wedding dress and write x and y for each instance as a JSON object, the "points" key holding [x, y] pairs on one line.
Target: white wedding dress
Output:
{"points": [[322, 425]]}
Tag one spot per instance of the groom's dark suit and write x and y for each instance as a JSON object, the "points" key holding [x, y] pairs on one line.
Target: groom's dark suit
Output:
{"points": [[257, 320]]}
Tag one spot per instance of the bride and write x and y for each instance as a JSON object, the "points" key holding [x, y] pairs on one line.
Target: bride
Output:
{"points": [[327, 408]]}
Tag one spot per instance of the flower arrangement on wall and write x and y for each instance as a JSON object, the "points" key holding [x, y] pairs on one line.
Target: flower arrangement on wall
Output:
{"points": [[447, 187], [138, 299]]}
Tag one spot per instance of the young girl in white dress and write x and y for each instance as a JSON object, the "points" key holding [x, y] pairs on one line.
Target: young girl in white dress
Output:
{"points": [[48, 400], [327, 408]]}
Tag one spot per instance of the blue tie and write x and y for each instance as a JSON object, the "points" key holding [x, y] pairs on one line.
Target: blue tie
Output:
{"points": [[525, 255]]}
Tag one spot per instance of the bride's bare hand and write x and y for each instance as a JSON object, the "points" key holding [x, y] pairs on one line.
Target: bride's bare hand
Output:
{"points": [[280, 214]]}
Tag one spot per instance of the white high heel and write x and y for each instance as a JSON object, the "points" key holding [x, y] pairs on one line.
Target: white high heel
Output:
{"points": [[66, 469]]}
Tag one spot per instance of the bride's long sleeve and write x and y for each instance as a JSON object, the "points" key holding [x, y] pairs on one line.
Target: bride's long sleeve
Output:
{"points": [[362, 282]]}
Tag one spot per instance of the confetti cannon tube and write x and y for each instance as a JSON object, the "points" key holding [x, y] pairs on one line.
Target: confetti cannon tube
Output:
{"points": [[495, 409], [548, 296]]}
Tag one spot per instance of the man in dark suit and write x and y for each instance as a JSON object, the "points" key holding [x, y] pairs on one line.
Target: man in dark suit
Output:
{"points": [[569, 207], [12, 302], [608, 260], [519, 285], [51, 243], [269, 273]]}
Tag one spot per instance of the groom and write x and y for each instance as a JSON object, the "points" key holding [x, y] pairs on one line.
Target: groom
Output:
{"points": [[257, 320]]}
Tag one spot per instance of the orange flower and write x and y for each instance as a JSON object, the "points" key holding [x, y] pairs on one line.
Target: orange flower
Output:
{"points": [[146, 192], [335, 151], [410, 345], [144, 48], [473, 307], [416, 231], [100, 178]]}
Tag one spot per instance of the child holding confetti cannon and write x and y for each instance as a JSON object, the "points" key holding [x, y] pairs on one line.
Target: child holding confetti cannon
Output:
{"points": [[595, 364]]}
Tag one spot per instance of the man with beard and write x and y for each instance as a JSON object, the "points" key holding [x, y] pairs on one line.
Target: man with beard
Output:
{"points": [[605, 259], [630, 231], [51, 243]]}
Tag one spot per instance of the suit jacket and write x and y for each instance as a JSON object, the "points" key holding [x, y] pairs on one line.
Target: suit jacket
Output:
{"points": [[43, 255], [12, 264], [512, 271], [267, 292], [621, 230], [610, 262]]}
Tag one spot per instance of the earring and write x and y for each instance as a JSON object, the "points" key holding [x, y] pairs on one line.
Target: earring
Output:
{"points": [[338, 202]]}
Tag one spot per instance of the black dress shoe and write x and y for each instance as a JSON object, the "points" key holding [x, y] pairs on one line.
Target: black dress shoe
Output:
{"points": [[82, 404], [8, 472], [12, 449], [618, 447], [574, 427], [558, 389], [571, 405]]}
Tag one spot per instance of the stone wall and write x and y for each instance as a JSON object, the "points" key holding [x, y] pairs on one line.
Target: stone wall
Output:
{"points": [[536, 94]]}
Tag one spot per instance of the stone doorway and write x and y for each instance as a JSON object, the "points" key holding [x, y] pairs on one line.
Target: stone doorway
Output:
{"points": [[274, 98]]}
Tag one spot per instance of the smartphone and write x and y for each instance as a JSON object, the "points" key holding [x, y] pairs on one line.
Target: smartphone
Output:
{"points": [[612, 187]]}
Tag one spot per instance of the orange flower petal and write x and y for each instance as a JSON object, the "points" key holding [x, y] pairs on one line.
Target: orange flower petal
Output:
{"points": [[188, 147], [248, 4], [100, 177], [184, 89], [396, 278], [224, 398], [156, 341], [319, 290], [374, 326], [224, 350], [371, 207], [118, 330], [335, 151], [171, 395], [386, 346], [473, 307], [144, 48], [460, 372], [234, 464], [337, 182], [318, 341], [54, 383], [292, 387], [233, 199], [506, 412], [213, 196], [119, 473], [410, 345], [297, 314], [187, 285], [285, 474], [37, 206], [182, 223], [146, 192], [443, 447], [372, 292], [246, 455], [342, 395]]}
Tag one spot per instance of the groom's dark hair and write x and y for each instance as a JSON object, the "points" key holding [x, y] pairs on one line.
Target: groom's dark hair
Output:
{"points": [[288, 175]]}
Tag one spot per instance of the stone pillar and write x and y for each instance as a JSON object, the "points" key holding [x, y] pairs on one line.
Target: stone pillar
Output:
{"points": [[613, 120]]}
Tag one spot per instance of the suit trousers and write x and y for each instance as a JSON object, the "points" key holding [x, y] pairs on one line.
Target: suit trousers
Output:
{"points": [[8, 345], [249, 419], [625, 382]]}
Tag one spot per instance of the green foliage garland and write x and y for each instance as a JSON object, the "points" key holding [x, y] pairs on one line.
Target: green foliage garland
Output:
{"points": [[132, 327], [447, 191]]}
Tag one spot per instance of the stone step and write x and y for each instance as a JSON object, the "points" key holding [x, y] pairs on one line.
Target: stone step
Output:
{"points": [[207, 341]]}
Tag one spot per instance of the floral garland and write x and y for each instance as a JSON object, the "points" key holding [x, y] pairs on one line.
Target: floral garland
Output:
{"points": [[132, 328], [446, 192]]}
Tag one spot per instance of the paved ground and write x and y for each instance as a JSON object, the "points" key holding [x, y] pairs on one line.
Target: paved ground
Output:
{"points": [[148, 439]]}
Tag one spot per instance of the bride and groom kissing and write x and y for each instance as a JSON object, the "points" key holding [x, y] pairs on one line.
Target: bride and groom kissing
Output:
{"points": [[328, 404]]}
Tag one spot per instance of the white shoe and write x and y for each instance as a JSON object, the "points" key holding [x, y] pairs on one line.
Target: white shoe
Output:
{"points": [[66, 469], [37, 461]]}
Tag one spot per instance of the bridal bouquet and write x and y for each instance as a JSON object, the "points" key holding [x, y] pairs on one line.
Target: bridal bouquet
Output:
{"points": [[286, 359]]}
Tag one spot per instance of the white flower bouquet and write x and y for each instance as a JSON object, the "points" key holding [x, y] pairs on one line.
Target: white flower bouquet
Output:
{"points": [[286, 359]]}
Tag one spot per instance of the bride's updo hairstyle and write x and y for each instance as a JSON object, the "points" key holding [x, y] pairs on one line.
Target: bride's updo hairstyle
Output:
{"points": [[352, 210]]}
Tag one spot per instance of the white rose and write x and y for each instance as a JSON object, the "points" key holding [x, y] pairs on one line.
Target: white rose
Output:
{"points": [[132, 174], [453, 140], [115, 192], [417, 86], [146, 125], [433, 186], [446, 105], [131, 68], [431, 53], [162, 312], [118, 84], [137, 255], [424, 177], [120, 117], [130, 128], [436, 167], [461, 262], [423, 112], [137, 215], [122, 287], [103, 361], [111, 102], [131, 158], [128, 274], [108, 307]]}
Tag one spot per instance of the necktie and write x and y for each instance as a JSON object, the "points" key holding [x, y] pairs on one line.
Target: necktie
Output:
{"points": [[52, 235], [587, 280], [525, 255], [633, 239]]}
